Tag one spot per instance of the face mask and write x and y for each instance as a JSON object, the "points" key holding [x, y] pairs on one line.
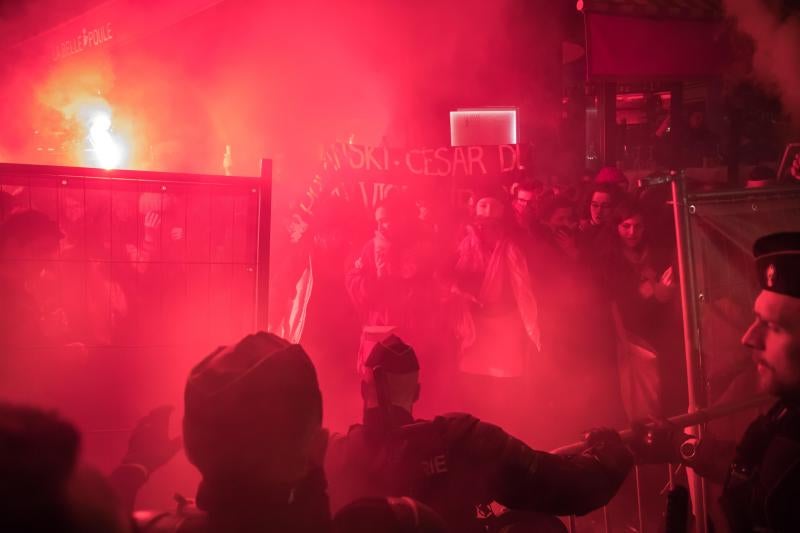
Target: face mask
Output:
{"points": [[486, 224]]}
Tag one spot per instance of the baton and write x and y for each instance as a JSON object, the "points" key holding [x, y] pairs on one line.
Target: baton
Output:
{"points": [[701, 416]]}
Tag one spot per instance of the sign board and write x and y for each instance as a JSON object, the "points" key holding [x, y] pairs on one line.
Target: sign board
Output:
{"points": [[367, 174], [416, 165], [108, 23]]}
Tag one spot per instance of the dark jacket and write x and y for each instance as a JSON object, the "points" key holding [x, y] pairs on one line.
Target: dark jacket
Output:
{"points": [[455, 462], [241, 509], [762, 492]]}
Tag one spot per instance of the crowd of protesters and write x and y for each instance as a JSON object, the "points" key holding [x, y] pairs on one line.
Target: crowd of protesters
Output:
{"points": [[534, 306], [529, 294]]}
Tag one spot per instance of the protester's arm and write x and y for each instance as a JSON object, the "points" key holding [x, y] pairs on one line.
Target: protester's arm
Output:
{"points": [[127, 479], [664, 289], [149, 448], [361, 281]]}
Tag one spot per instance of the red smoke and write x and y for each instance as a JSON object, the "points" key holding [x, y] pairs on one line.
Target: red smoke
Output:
{"points": [[776, 60]]}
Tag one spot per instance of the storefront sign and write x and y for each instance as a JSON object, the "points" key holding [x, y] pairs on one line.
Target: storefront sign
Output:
{"points": [[84, 40]]}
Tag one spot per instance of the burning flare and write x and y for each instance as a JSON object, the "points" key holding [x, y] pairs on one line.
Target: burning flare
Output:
{"points": [[107, 151]]}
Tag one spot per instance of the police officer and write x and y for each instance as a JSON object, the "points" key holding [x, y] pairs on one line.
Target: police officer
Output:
{"points": [[762, 491], [761, 474], [456, 462]]}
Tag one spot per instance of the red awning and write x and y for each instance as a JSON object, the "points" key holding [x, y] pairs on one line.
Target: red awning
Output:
{"points": [[630, 47], [677, 9], [634, 39]]}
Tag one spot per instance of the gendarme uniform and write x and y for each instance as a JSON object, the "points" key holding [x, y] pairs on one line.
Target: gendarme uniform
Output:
{"points": [[456, 462], [762, 492]]}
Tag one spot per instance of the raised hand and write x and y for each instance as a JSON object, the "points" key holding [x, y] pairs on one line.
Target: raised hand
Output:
{"points": [[150, 445]]}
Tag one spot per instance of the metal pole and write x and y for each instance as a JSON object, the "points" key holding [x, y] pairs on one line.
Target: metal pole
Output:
{"points": [[262, 250], [691, 333], [676, 124], [670, 477], [609, 121], [639, 513], [702, 416]]}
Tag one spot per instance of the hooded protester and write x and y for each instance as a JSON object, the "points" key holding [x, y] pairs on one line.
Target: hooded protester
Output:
{"points": [[252, 427], [494, 311], [391, 283], [29, 242], [614, 177], [491, 273]]}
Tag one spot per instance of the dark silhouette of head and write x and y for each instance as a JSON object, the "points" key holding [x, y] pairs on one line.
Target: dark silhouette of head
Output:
{"points": [[28, 239], [43, 488], [391, 375], [774, 336], [628, 224], [253, 413]]}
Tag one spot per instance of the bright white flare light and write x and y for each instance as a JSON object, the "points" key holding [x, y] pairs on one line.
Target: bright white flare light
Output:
{"points": [[108, 153]]}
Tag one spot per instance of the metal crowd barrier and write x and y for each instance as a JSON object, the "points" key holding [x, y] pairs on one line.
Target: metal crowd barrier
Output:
{"points": [[147, 257], [715, 232]]}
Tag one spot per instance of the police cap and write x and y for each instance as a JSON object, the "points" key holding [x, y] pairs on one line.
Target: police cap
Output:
{"points": [[393, 355], [777, 259]]}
